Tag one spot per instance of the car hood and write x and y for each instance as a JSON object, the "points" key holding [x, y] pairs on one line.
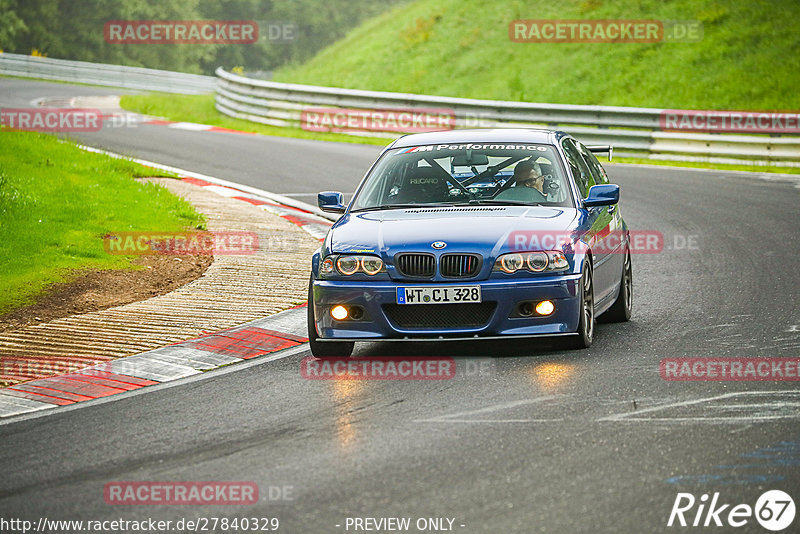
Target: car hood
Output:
{"points": [[480, 229]]}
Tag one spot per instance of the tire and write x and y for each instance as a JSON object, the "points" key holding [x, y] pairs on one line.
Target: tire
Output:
{"points": [[587, 320], [620, 311], [326, 349]]}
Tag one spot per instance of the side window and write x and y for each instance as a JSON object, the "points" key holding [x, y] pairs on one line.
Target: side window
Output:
{"points": [[389, 184], [597, 170], [583, 177]]}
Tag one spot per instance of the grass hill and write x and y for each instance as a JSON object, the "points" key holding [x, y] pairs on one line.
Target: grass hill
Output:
{"points": [[748, 58]]}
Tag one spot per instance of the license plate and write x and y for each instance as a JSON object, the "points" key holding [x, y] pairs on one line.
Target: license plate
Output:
{"points": [[438, 295]]}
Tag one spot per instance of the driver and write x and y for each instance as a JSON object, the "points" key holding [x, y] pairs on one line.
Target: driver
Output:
{"points": [[529, 174]]}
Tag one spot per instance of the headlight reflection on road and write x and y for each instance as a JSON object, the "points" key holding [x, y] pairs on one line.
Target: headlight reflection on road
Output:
{"points": [[553, 376], [345, 393]]}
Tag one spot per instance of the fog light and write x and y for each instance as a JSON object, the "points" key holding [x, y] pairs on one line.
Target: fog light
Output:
{"points": [[525, 309], [545, 307], [339, 313]]}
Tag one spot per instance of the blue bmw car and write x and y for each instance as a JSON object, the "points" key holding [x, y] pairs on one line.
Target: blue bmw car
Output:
{"points": [[472, 234]]}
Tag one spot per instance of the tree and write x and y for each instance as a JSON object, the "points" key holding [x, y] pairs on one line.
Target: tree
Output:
{"points": [[73, 29], [10, 24]]}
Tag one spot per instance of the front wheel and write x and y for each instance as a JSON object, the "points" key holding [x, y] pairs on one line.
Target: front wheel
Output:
{"points": [[328, 349], [620, 311], [586, 323]]}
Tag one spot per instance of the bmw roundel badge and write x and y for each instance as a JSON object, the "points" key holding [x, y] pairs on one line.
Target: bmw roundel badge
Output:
{"points": [[438, 245]]}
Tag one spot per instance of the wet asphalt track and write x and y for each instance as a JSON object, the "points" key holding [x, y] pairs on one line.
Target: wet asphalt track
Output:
{"points": [[539, 439]]}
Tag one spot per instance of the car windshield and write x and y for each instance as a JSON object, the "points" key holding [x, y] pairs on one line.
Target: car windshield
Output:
{"points": [[475, 173]]}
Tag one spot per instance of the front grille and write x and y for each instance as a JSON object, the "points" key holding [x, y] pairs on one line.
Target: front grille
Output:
{"points": [[415, 265], [439, 315], [459, 265]]}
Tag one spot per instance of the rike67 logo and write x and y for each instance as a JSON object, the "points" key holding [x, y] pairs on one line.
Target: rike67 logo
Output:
{"points": [[774, 510]]}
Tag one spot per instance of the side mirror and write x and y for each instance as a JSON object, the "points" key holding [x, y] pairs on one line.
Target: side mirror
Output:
{"points": [[602, 195], [602, 149], [331, 201]]}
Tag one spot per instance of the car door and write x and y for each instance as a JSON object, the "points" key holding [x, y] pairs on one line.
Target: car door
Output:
{"points": [[614, 239], [599, 222]]}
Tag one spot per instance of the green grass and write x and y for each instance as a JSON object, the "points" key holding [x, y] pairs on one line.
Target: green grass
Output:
{"points": [[200, 109], [748, 59], [56, 203]]}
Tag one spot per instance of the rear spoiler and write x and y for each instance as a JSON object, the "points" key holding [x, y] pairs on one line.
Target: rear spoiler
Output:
{"points": [[606, 148]]}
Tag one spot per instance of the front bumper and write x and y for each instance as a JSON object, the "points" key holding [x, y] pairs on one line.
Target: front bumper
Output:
{"points": [[372, 297]]}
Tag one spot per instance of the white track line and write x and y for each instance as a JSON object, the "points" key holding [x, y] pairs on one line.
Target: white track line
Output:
{"points": [[635, 415], [459, 416]]}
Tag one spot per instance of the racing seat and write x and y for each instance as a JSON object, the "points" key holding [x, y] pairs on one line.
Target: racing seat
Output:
{"points": [[423, 186]]}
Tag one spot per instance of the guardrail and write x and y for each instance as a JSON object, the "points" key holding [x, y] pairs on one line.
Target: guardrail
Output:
{"points": [[634, 132], [104, 74]]}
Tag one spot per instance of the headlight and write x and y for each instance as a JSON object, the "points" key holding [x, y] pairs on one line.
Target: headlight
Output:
{"points": [[326, 267], [371, 265], [349, 265], [557, 261], [510, 262], [537, 262]]}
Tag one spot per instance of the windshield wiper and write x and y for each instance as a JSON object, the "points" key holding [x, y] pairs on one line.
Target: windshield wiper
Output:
{"points": [[493, 202]]}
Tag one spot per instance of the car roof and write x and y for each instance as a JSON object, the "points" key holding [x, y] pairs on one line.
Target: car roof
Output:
{"points": [[482, 135]]}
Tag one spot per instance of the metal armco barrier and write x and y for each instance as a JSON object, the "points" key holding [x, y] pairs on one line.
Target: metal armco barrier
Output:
{"points": [[633, 131], [103, 74]]}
